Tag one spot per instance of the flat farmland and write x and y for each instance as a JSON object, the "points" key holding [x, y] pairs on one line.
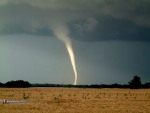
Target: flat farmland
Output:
{"points": [[75, 100]]}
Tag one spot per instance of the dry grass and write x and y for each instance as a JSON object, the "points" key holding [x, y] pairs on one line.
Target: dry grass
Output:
{"points": [[72, 100]]}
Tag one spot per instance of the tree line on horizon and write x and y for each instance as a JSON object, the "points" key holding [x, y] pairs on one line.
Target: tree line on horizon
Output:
{"points": [[135, 83]]}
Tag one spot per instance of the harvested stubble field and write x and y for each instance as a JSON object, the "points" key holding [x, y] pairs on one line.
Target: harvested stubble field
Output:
{"points": [[74, 100]]}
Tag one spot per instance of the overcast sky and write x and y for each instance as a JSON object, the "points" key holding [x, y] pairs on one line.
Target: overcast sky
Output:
{"points": [[111, 40]]}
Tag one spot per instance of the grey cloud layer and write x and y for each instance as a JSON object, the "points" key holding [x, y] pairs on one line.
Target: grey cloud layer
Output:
{"points": [[87, 19]]}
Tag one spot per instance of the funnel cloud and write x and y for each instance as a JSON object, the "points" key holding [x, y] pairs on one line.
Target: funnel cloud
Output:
{"points": [[62, 33]]}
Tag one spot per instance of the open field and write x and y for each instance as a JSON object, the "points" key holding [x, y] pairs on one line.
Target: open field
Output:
{"points": [[73, 100]]}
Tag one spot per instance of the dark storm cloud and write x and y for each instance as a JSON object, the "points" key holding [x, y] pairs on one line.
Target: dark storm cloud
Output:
{"points": [[88, 20], [109, 28]]}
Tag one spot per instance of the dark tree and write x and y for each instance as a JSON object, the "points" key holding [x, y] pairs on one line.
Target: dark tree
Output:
{"points": [[1, 84], [135, 83], [146, 85], [17, 84]]}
